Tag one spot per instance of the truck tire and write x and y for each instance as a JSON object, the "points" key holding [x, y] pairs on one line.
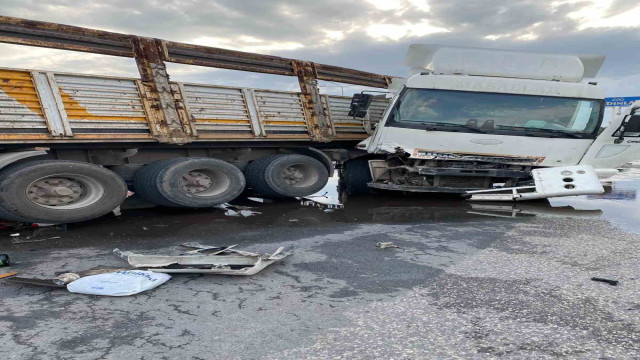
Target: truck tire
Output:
{"points": [[59, 191], [189, 182], [286, 175], [356, 176]]}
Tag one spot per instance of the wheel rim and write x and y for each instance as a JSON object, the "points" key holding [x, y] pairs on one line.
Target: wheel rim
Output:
{"points": [[300, 175], [65, 191], [205, 182]]}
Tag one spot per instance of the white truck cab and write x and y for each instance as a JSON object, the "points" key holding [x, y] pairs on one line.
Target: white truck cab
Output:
{"points": [[471, 118]]}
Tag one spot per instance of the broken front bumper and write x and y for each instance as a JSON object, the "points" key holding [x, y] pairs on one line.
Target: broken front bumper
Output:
{"points": [[549, 183]]}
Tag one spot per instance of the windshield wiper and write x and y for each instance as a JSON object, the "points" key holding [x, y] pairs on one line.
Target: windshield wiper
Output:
{"points": [[542, 130], [464, 126], [568, 133], [552, 131]]}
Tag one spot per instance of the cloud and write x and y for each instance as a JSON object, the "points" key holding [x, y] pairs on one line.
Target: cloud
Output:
{"points": [[607, 14], [247, 43], [398, 31], [370, 35]]}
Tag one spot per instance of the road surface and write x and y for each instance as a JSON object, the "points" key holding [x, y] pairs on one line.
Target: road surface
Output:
{"points": [[467, 281]]}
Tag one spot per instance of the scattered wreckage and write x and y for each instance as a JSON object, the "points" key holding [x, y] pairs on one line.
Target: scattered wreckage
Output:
{"points": [[548, 183], [205, 260], [147, 272]]}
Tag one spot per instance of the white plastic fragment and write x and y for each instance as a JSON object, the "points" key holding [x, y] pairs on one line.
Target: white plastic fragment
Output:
{"points": [[205, 260], [386, 245], [119, 283], [29, 240], [549, 182]]}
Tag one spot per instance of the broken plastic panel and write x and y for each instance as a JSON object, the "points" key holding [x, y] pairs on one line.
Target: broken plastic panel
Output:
{"points": [[549, 183], [205, 260]]}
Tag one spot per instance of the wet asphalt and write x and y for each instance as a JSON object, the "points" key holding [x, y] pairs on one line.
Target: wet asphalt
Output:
{"points": [[477, 281]]}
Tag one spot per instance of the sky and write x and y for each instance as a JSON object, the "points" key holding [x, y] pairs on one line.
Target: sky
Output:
{"points": [[370, 35]]}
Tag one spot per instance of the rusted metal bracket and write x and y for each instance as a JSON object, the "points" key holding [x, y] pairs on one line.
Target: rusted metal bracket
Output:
{"points": [[318, 121], [188, 120], [162, 111]]}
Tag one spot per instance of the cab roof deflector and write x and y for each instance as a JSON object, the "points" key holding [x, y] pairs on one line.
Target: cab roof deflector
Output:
{"points": [[458, 60]]}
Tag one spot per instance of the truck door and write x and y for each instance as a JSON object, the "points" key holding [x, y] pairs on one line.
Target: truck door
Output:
{"points": [[619, 142]]}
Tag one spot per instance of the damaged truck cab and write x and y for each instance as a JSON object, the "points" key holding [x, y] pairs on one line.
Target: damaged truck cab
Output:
{"points": [[469, 119]]}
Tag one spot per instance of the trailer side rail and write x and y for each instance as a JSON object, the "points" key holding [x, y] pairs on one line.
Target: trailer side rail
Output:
{"points": [[163, 102]]}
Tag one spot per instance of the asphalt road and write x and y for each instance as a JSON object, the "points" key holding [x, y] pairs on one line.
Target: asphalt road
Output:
{"points": [[479, 281]]}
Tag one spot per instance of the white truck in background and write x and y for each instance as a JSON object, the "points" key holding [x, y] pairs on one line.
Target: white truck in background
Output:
{"points": [[471, 118]]}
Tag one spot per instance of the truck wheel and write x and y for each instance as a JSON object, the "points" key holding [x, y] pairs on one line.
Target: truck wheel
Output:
{"points": [[356, 176], [189, 182], [59, 191], [287, 175]]}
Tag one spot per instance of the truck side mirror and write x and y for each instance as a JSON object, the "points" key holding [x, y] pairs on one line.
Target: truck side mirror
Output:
{"points": [[630, 127], [359, 105]]}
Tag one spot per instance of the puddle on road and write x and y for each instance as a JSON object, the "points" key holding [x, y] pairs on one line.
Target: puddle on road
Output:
{"points": [[620, 204]]}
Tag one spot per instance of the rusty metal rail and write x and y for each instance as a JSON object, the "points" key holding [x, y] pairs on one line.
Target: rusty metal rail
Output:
{"points": [[44, 34], [165, 114]]}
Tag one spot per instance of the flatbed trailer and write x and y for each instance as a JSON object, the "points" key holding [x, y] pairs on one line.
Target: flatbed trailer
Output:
{"points": [[77, 142]]}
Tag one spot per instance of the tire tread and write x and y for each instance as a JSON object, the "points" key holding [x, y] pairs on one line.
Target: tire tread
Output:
{"points": [[15, 213], [257, 174]]}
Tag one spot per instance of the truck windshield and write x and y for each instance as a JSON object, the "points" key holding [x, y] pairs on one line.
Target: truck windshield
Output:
{"points": [[495, 113]]}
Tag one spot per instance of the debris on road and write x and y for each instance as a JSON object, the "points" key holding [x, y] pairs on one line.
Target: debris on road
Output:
{"points": [[386, 245], [610, 282], [260, 200], [321, 203], [205, 260], [35, 281], [243, 213], [548, 183], [66, 278], [2, 276], [14, 234], [237, 210], [119, 283], [29, 240], [4, 260]]}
